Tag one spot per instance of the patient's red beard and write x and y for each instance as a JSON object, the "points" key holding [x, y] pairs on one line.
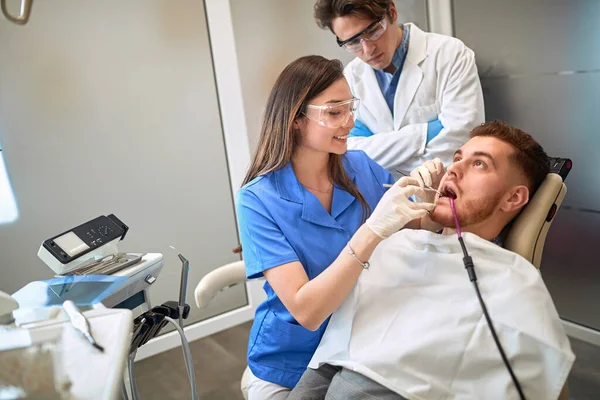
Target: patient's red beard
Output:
{"points": [[469, 212]]}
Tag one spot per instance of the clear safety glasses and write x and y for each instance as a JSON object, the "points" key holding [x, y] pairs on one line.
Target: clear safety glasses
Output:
{"points": [[332, 115], [371, 33]]}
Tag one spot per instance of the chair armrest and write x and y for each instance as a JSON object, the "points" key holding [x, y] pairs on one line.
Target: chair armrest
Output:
{"points": [[217, 280]]}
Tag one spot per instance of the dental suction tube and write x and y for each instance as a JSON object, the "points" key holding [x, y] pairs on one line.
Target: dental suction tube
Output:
{"points": [[468, 261]]}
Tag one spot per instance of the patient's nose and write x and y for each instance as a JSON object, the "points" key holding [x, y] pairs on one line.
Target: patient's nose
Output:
{"points": [[454, 170]]}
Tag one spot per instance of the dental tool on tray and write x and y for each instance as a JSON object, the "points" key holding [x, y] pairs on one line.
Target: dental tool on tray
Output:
{"points": [[80, 322]]}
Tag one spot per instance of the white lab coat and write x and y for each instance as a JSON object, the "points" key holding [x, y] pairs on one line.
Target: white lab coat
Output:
{"points": [[438, 80], [413, 323]]}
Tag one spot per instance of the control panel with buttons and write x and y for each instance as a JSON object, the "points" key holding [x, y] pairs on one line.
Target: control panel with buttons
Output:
{"points": [[70, 245]]}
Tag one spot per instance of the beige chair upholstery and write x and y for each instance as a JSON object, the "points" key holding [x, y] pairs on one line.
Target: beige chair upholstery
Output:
{"points": [[526, 237], [528, 232]]}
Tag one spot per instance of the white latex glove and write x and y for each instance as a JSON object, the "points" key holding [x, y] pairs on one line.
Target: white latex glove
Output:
{"points": [[429, 174], [395, 210]]}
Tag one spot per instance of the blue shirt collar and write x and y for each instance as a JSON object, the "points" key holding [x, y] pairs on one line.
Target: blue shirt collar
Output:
{"points": [[289, 187], [402, 50]]}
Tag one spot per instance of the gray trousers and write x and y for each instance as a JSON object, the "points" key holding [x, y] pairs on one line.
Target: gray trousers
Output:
{"points": [[336, 383]]}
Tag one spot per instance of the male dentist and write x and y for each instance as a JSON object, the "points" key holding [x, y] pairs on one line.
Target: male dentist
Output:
{"points": [[419, 92]]}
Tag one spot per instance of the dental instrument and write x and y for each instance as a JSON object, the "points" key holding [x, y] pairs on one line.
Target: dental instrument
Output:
{"points": [[468, 261], [425, 186], [185, 268], [388, 185], [80, 322]]}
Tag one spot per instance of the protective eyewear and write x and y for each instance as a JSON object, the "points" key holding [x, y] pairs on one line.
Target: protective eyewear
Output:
{"points": [[371, 33], [333, 115]]}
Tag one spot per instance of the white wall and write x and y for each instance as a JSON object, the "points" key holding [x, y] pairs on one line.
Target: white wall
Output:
{"points": [[111, 107], [269, 34]]}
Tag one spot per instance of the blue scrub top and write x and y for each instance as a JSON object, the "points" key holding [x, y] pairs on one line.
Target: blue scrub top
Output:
{"points": [[281, 222]]}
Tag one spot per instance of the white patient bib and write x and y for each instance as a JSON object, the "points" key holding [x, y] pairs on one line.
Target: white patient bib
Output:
{"points": [[413, 323]]}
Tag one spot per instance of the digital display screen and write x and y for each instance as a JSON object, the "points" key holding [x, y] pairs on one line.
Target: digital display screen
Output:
{"points": [[71, 244]]}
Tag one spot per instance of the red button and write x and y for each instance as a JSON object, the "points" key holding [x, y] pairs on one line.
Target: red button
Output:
{"points": [[551, 213]]}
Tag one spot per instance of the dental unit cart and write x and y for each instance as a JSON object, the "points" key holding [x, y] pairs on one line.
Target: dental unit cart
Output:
{"points": [[108, 286]]}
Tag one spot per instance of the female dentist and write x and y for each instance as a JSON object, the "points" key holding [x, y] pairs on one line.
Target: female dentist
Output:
{"points": [[305, 218]]}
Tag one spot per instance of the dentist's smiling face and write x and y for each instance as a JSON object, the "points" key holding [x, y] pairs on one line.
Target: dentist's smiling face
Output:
{"points": [[317, 137], [481, 179]]}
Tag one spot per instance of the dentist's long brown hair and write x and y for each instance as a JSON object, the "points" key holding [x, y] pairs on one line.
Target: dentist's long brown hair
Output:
{"points": [[300, 81]]}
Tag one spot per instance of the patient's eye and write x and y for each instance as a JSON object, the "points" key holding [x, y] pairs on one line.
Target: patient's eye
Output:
{"points": [[479, 164], [456, 159]]}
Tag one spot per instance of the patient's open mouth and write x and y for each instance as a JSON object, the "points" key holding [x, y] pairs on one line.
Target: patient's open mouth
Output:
{"points": [[447, 191]]}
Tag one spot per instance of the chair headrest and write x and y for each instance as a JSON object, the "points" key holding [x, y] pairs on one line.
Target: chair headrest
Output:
{"points": [[527, 234]]}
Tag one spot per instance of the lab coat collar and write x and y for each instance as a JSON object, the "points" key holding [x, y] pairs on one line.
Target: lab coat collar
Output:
{"points": [[417, 45], [411, 75], [367, 88], [290, 189], [369, 93]]}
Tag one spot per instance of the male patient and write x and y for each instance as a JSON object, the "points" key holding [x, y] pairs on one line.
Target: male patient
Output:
{"points": [[413, 327]]}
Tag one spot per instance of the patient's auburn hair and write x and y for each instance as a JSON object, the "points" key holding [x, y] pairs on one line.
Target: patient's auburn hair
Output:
{"points": [[529, 156]]}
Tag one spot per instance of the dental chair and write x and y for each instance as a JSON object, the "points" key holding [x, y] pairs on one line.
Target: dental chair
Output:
{"points": [[525, 236]]}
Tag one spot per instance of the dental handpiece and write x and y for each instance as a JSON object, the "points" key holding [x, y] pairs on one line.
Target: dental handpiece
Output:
{"points": [[185, 268]]}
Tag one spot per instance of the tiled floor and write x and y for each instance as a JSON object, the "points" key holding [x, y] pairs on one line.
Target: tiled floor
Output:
{"points": [[219, 361], [584, 381]]}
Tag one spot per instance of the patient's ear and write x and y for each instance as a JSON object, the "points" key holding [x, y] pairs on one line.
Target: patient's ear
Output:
{"points": [[516, 198]]}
